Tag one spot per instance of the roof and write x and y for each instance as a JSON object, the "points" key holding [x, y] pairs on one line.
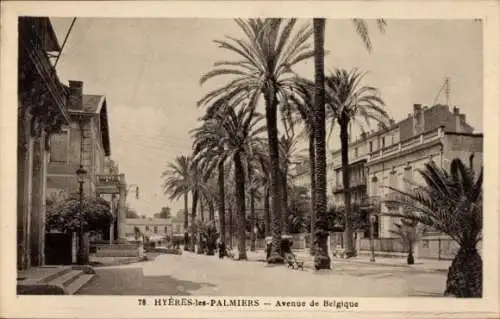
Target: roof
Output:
{"points": [[51, 42], [96, 104], [92, 103]]}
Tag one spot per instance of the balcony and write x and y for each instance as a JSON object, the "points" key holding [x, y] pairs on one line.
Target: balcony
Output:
{"points": [[390, 199], [371, 202], [354, 184], [407, 144]]}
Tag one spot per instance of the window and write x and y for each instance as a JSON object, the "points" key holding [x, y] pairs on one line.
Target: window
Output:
{"points": [[374, 186], [147, 227], [393, 179], [383, 142], [355, 152], [166, 229], [408, 178], [59, 147], [371, 147], [155, 229]]}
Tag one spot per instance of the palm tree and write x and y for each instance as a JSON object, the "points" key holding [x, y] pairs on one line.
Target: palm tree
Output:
{"points": [[321, 258], [303, 103], [267, 53], [348, 101], [409, 232], [451, 203], [237, 131], [177, 183], [288, 152]]}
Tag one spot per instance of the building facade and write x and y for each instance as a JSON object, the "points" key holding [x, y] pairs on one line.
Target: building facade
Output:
{"points": [[393, 156], [151, 227], [85, 141], [41, 113]]}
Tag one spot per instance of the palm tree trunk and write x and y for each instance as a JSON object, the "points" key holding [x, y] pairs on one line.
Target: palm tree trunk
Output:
{"points": [[211, 211], [230, 222], [321, 258], [312, 164], [186, 223], [285, 221], [267, 213], [253, 235], [193, 217], [465, 275], [222, 208], [344, 149], [239, 176], [272, 135], [201, 210]]}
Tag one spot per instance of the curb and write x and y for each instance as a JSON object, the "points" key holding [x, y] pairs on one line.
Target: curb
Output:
{"points": [[394, 265], [122, 262]]}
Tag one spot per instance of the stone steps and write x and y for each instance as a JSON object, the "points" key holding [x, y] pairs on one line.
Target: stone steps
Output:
{"points": [[61, 281]]}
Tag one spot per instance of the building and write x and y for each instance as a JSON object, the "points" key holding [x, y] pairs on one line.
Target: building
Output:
{"points": [[85, 141], [178, 223], [154, 228], [41, 112], [392, 157]]}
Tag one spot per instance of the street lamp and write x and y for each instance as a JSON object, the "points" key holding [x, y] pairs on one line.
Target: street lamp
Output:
{"points": [[373, 218], [81, 175]]}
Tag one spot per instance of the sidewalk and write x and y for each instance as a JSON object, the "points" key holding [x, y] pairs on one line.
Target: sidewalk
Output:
{"points": [[423, 265], [115, 261]]}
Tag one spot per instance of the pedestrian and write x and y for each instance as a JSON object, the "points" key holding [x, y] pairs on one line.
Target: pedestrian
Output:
{"points": [[222, 250]]}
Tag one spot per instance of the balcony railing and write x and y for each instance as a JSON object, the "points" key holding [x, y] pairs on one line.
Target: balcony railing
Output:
{"points": [[358, 182], [371, 202], [391, 199], [409, 143]]}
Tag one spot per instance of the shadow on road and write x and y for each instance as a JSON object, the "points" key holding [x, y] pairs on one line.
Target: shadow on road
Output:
{"points": [[131, 281]]}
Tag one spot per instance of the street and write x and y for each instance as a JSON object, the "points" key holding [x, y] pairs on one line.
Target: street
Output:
{"points": [[191, 274]]}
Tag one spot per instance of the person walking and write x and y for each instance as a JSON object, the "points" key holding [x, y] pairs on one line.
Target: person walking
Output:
{"points": [[222, 250]]}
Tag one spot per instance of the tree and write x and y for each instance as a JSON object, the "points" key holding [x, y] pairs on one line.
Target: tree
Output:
{"points": [[451, 203], [177, 184], [347, 101], [164, 213], [237, 131], [67, 215], [268, 52], [288, 151], [130, 212], [299, 211], [409, 232], [303, 103], [321, 258]]}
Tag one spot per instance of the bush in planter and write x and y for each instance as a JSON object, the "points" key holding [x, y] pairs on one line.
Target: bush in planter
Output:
{"points": [[285, 246]]}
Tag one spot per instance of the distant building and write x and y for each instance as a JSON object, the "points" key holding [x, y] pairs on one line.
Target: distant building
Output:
{"points": [[178, 223], [150, 227], [392, 156]]}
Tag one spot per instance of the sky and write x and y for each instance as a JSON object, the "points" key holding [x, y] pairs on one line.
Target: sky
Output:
{"points": [[149, 71]]}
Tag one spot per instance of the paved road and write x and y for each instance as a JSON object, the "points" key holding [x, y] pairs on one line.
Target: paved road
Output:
{"points": [[201, 275]]}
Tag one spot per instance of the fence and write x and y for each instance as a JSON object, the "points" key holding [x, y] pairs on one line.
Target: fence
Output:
{"points": [[430, 248]]}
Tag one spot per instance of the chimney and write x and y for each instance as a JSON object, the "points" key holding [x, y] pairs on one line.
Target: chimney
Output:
{"points": [[417, 107], [456, 110], [75, 94]]}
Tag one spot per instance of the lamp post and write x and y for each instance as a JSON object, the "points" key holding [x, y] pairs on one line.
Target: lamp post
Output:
{"points": [[81, 175], [372, 242]]}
